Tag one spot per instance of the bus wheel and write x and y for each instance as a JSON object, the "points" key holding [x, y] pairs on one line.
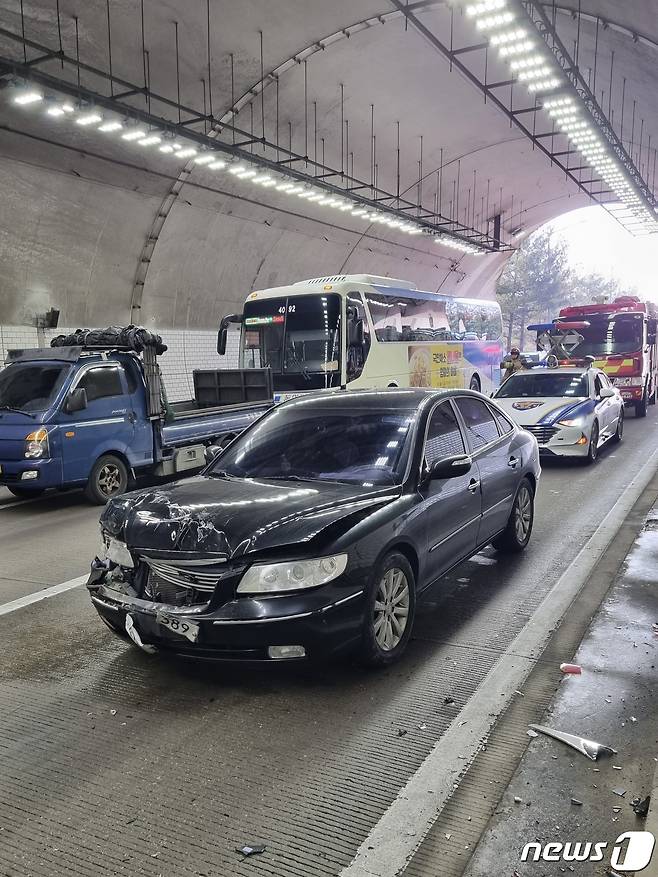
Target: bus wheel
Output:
{"points": [[475, 384]]}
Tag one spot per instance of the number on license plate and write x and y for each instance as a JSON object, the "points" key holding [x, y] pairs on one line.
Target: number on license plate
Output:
{"points": [[180, 626]]}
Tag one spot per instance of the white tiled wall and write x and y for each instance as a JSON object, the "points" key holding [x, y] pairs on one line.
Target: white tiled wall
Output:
{"points": [[187, 351]]}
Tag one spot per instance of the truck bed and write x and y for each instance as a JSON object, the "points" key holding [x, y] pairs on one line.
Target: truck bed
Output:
{"points": [[192, 424]]}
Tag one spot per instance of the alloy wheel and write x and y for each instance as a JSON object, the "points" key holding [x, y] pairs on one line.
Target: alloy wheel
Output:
{"points": [[109, 479], [523, 514], [391, 611]]}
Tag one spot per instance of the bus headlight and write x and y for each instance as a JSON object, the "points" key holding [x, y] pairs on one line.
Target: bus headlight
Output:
{"points": [[37, 446], [293, 575]]}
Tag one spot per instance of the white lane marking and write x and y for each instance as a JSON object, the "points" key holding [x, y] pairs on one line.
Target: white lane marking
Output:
{"points": [[6, 608], [397, 835]]}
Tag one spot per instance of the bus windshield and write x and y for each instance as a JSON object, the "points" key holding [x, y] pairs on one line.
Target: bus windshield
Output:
{"points": [[298, 337], [610, 334]]}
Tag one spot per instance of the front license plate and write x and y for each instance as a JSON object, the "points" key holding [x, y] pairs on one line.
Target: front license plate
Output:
{"points": [[179, 626]]}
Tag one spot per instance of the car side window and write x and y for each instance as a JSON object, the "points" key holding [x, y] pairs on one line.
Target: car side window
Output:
{"points": [[504, 425], [102, 382], [444, 437], [605, 380], [480, 422]]}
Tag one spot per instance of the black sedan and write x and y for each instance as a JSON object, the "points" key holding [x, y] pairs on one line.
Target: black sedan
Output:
{"points": [[317, 529]]}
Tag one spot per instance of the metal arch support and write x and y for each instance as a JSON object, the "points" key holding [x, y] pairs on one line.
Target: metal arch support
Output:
{"points": [[249, 96]]}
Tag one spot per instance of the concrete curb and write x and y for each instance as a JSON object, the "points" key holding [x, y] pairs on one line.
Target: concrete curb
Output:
{"points": [[652, 826]]}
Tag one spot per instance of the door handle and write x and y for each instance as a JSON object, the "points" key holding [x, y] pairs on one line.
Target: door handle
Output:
{"points": [[513, 462], [473, 485]]}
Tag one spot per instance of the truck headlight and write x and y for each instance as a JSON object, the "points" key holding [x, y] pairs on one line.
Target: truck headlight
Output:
{"points": [[293, 575], [36, 445]]}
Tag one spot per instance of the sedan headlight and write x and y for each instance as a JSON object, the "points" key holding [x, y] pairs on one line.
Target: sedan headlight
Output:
{"points": [[115, 550], [37, 446], [575, 421], [293, 575]]}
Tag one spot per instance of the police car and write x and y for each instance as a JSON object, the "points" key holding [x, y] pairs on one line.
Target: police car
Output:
{"points": [[571, 411]]}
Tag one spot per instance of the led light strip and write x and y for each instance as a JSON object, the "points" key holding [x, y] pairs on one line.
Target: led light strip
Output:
{"points": [[180, 149], [536, 67]]}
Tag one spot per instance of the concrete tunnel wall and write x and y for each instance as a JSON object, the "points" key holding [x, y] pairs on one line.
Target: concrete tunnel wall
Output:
{"points": [[72, 229]]}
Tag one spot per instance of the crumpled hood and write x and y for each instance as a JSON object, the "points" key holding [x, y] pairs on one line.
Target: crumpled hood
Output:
{"points": [[230, 517], [530, 412]]}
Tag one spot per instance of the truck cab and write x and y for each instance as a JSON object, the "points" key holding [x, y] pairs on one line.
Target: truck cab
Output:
{"points": [[61, 409]]}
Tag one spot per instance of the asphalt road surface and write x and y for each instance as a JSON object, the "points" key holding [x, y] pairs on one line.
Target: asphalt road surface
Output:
{"points": [[115, 762]]}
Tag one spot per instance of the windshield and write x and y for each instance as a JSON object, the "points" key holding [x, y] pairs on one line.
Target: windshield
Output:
{"points": [[540, 384], [298, 337], [313, 442], [31, 386], [614, 334]]}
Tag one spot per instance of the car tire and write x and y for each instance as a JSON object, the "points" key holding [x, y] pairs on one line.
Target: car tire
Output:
{"points": [[108, 478], [516, 534], [25, 492], [593, 447], [475, 384], [619, 432], [641, 406], [391, 591]]}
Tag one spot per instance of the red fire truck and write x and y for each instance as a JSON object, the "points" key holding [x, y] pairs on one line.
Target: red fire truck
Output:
{"points": [[621, 336]]}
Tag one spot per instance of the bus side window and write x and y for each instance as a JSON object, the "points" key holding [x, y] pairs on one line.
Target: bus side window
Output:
{"points": [[356, 353]]}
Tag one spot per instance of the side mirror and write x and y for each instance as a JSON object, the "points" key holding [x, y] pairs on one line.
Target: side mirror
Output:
{"points": [[450, 467], [211, 452], [76, 401], [222, 335], [607, 393]]}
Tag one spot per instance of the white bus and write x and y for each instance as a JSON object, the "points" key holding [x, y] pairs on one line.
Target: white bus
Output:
{"points": [[358, 331]]}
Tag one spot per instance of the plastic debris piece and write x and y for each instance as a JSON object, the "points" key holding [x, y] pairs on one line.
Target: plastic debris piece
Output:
{"points": [[576, 802], [250, 849], [422, 727], [448, 700], [448, 836], [113, 712], [616, 809], [520, 693], [589, 748], [633, 719], [532, 733], [619, 791], [517, 800], [641, 806], [574, 669], [616, 767], [401, 732]]}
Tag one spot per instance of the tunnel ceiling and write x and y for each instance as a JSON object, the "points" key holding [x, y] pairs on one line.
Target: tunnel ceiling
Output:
{"points": [[363, 96]]}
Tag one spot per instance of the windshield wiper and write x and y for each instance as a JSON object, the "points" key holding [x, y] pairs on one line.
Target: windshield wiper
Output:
{"points": [[16, 410], [219, 473], [284, 478]]}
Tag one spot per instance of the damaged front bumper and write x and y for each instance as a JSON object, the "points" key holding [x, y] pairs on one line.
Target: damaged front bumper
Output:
{"points": [[324, 622]]}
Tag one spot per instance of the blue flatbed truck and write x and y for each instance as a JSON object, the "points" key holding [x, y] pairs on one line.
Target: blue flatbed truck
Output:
{"points": [[96, 416]]}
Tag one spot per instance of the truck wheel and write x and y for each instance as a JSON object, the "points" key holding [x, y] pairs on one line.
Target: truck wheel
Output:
{"points": [[652, 397], [108, 478], [641, 406], [24, 492]]}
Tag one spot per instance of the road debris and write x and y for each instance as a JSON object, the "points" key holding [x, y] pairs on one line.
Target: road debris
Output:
{"points": [[532, 733], [576, 802], [401, 732], [113, 712], [619, 791], [590, 748], [641, 806], [574, 669], [517, 800], [448, 700], [616, 767], [250, 849]]}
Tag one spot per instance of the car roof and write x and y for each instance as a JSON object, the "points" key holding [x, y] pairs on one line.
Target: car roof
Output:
{"points": [[395, 397], [562, 369]]}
